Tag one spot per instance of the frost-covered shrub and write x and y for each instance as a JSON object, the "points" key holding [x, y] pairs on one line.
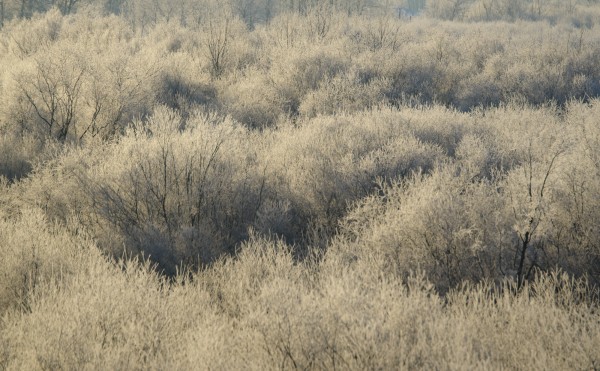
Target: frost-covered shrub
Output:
{"points": [[298, 72], [177, 190], [574, 236], [35, 252], [83, 84], [18, 155], [252, 99], [181, 87], [222, 38], [450, 227], [116, 315], [330, 161], [343, 94], [33, 35], [460, 66], [262, 310], [515, 199]]}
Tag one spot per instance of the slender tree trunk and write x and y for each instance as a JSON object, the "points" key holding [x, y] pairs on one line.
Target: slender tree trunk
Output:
{"points": [[525, 240]]}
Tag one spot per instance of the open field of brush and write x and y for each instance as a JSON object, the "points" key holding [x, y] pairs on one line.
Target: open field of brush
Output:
{"points": [[305, 185]]}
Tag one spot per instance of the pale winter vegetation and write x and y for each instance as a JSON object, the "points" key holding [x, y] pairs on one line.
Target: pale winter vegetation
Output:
{"points": [[299, 184]]}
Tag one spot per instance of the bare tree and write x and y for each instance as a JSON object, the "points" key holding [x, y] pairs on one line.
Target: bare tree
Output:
{"points": [[218, 34], [53, 93], [532, 212], [319, 19]]}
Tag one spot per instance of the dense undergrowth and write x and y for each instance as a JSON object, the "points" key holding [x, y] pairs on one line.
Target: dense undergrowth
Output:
{"points": [[323, 190]]}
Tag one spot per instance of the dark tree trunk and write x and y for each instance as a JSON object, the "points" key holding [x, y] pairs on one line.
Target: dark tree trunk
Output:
{"points": [[525, 240]]}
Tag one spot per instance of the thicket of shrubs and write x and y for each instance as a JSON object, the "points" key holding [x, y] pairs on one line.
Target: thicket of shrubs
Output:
{"points": [[312, 192], [263, 310], [581, 13]]}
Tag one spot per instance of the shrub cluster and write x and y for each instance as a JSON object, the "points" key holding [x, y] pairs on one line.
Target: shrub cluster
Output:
{"points": [[581, 13], [80, 79], [490, 194], [264, 311], [324, 190]]}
